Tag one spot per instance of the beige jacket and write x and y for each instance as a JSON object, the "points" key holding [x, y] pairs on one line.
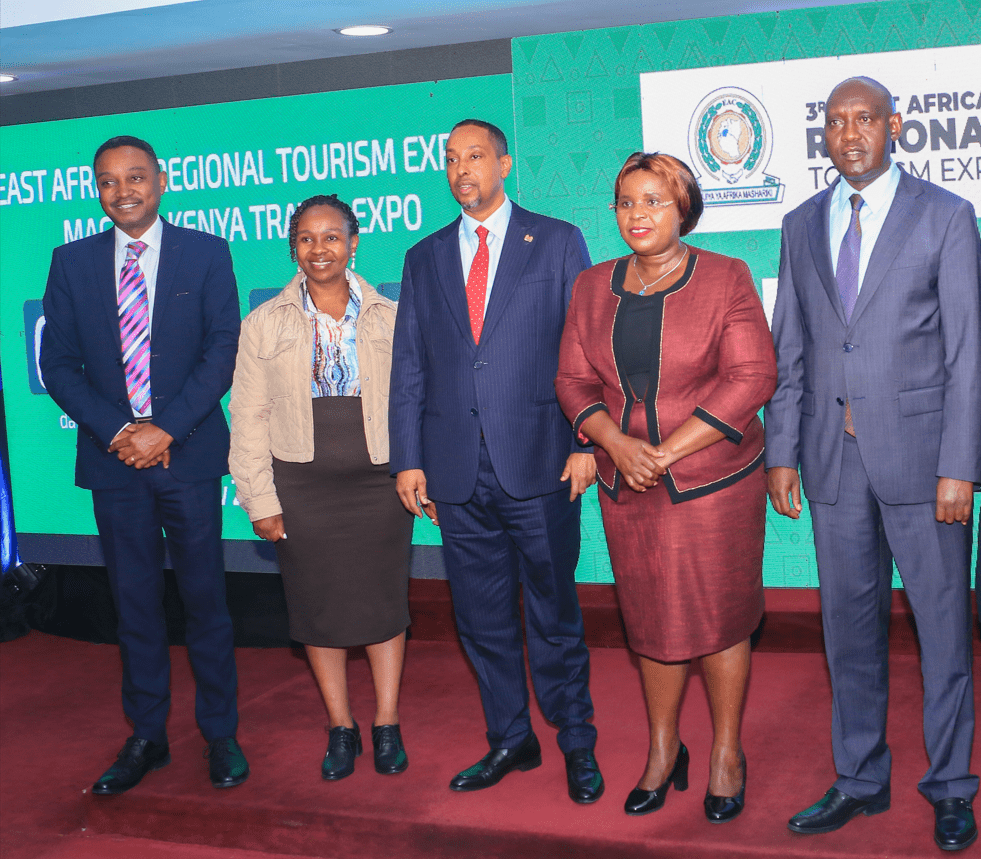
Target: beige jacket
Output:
{"points": [[272, 406]]}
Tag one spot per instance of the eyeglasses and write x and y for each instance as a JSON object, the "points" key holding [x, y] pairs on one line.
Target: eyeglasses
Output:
{"points": [[650, 204]]}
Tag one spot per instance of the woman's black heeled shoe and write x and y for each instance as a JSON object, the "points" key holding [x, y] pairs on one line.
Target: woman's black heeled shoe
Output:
{"points": [[641, 801], [721, 809]]}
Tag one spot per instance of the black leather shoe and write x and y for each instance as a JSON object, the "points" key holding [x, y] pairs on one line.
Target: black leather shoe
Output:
{"points": [[390, 756], [955, 828], [584, 776], [227, 765], [721, 809], [135, 760], [640, 801], [497, 763], [343, 746], [835, 809]]}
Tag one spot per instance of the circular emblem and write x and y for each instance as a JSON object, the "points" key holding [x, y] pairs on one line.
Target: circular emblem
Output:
{"points": [[729, 134]]}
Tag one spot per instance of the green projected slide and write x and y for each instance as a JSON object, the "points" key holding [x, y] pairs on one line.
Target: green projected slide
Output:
{"points": [[237, 170]]}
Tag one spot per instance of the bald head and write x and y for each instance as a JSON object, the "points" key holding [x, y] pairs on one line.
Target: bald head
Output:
{"points": [[871, 87], [860, 125]]}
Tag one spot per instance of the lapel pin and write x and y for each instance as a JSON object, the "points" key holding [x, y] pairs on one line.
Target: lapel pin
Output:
{"points": [[529, 238]]}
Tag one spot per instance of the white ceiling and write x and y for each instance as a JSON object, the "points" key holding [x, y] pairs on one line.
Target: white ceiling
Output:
{"points": [[48, 47]]}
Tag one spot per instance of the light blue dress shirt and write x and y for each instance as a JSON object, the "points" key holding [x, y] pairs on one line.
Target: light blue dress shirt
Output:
{"points": [[876, 201]]}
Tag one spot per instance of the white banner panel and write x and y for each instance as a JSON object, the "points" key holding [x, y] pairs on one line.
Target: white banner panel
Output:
{"points": [[754, 134]]}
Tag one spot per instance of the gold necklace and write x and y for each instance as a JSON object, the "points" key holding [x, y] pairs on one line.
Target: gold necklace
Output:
{"points": [[647, 286]]}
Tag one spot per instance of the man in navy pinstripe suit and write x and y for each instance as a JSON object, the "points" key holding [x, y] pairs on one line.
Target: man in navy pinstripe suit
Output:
{"points": [[479, 443]]}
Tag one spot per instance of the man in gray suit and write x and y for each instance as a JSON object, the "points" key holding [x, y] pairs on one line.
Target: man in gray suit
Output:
{"points": [[877, 328]]}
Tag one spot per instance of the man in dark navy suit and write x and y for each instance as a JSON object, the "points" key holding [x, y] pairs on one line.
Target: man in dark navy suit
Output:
{"points": [[480, 444], [141, 329]]}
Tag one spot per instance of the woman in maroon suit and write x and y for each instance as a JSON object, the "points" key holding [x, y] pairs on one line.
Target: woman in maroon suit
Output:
{"points": [[666, 359]]}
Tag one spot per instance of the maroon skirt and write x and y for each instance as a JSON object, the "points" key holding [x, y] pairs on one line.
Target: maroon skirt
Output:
{"points": [[689, 576]]}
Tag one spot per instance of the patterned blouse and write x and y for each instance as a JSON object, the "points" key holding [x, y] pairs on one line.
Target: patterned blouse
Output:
{"points": [[334, 362]]}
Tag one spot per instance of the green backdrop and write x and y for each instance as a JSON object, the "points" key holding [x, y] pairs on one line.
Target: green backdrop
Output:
{"points": [[578, 116]]}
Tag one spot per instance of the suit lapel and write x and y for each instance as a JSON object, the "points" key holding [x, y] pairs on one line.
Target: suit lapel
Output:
{"points": [[449, 275], [818, 233], [898, 225], [104, 252], [514, 257], [167, 265]]}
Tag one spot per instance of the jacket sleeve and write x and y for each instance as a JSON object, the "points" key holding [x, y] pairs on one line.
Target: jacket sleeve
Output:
{"points": [[747, 367], [250, 456], [407, 391], [959, 291], [62, 364], [781, 417], [576, 262], [578, 385], [211, 378]]}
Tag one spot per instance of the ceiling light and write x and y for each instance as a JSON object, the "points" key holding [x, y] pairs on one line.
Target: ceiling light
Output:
{"points": [[364, 30], [6, 79]]}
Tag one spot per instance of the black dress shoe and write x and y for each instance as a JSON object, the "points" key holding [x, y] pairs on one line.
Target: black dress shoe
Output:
{"points": [[343, 746], [584, 776], [497, 763], [835, 809], [640, 801], [720, 809], [390, 756], [956, 828], [227, 765], [135, 760]]}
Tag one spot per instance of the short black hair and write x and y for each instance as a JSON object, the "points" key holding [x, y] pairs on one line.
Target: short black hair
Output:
{"points": [[500, 141], [127, 140], [321, 200]]}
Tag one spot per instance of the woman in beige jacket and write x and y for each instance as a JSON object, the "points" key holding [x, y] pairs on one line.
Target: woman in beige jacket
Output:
{"points": [[309, 458]]}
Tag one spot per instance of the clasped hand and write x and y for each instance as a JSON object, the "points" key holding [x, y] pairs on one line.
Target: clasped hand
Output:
{"points": [[641, 463], [142, 445]]}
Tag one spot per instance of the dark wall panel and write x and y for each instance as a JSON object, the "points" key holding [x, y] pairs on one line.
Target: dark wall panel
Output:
{"points": [[329, 75]]}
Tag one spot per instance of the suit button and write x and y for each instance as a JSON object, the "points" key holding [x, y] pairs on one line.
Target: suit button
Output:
{"points": [[839, 401], [848, 347], [477, 364], [473, 412]]}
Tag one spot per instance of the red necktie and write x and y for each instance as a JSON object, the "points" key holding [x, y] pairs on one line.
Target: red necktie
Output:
{"points": [[477, 284]]}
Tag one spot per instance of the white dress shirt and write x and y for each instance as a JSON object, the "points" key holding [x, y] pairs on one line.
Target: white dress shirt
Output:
{"points": [[877, 199], [497, 227]]}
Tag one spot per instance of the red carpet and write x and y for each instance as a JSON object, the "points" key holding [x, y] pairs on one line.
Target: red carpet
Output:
{"points": [[62, 723]]}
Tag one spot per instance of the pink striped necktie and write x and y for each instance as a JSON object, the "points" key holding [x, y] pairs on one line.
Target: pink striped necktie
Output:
{"points": [[134, 328]]}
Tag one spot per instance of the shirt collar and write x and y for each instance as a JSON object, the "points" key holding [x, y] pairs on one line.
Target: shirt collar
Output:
{"points": [[353, 302], [496, 223], [153, 237], [875, 195]]}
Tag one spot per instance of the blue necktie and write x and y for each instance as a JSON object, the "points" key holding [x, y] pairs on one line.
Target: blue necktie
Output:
{"points": [[848, 257]]}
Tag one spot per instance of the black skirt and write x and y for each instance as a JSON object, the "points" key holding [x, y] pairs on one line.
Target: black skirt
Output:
{"points": [[345, 562]]}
